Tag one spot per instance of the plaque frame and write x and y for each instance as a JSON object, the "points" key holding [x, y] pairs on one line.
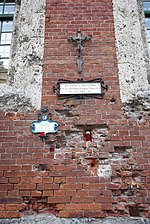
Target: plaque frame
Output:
{"points": [[44, 125], [96, 95]]}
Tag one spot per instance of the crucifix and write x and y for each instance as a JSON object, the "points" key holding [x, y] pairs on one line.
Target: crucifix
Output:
{"points": [[79, 39]]}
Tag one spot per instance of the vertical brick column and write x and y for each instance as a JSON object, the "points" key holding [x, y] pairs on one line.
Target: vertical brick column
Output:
{"points": [[81, 187], [93, 18], [100, 173]]}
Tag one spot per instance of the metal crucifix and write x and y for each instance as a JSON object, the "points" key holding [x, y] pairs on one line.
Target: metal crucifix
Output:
{"points": [[79, 39]]}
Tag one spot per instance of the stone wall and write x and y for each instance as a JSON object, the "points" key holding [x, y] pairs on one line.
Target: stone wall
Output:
{"points": [[131, 46], [24, 83], [50, 219]]}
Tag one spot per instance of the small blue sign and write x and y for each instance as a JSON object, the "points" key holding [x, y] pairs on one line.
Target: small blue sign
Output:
{"points": [[45, 125]]}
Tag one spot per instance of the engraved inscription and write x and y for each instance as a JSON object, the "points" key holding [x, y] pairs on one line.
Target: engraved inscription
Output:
{"points": [[80, 88]]}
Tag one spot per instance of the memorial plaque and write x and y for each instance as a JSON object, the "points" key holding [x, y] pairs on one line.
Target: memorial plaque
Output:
{"points": [[80, 88]]}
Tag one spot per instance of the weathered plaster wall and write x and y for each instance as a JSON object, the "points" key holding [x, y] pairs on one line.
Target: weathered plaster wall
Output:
{"points": [[50, 219], [131, 47], [23, 88]]}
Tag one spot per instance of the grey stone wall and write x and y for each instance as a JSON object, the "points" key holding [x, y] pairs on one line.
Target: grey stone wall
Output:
{"points": [[50, 219], [24, 83], [131, 46]]}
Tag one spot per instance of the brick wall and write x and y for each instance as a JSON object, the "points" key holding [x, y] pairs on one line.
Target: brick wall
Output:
{"points": [[108, 176]]}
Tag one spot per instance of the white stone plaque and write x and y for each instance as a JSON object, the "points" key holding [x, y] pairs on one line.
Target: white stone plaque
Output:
{"points": [[80, 88]]}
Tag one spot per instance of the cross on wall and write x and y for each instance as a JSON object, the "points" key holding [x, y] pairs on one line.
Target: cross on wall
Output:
{"points": [[79, 39]]}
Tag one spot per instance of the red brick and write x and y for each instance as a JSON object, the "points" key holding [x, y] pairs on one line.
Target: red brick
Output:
{"points": [[59, 179], [134, 138], [47, 186], [83, 193], [83, 206], [48, 180], [148, 214], [9, 200], [36, 193], [71, 193], [14, 180], [47, 192], [37, 180], [71, 214], [6, 187], [11, 214], [107, 206], [3, 180], [60, 207], [2, 207], [120, 207], [59, 200], [82, 179], [94, 180], [97, 186], [94, 214], [11, 207], [59, 193], [26, 167], [15, 174], [70, 180], [71, 206], [13, 193], [25, 186], [26, 180], [71, 186], [6, 156], [37, 156], [82, 199], [113, 186], [25, 193], [104, 199]]}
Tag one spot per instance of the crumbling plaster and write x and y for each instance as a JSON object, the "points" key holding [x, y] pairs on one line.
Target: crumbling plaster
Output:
{"points": [[131, 47], [24, 82], [47, 219]]}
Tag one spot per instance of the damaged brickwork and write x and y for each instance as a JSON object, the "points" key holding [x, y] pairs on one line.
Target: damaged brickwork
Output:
{"points": [[105, 179]]}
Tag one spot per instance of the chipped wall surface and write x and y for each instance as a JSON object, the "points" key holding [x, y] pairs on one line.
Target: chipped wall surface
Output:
{"points": [[24, 85], [131, 47], [50, 219], [138, 108]]}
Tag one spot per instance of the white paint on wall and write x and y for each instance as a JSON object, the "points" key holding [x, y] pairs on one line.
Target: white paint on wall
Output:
{"points": [[104, 171]]}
